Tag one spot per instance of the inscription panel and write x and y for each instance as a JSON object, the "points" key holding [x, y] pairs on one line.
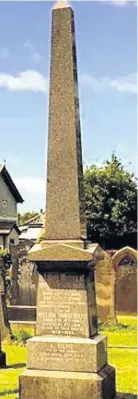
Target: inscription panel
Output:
{"points": [[82, 355], [62, 307]]}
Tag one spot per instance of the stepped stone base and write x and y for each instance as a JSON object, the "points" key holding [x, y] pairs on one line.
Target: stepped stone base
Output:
{"points": [[40, 384], [67, 353], [2, 359]]}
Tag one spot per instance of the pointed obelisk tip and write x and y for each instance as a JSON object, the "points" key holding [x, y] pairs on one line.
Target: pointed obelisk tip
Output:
{"points": [[61, 4]]}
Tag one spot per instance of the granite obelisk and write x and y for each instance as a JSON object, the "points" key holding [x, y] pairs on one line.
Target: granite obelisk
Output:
{"points": [[65, 197], [67, 359]]}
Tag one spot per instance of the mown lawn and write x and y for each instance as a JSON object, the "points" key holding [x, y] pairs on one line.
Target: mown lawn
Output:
{"points": [[123, 359], [124, 334]]}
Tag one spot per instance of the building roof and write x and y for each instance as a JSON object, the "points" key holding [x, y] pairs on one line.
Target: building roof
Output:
{"points": [[31, 233], [7, 227], [38, 220], [32, 228], [8, 180]]}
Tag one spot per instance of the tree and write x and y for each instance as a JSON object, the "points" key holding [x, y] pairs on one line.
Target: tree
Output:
{"points": [[24, 217], [111, 200]]}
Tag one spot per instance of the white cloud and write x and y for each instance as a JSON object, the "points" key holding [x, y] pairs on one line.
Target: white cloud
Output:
{"points": [[33, 54], [114, 2], [119, 2], [125, 84], [30, 184], [34, 81], [4, 53], [28, 80]]}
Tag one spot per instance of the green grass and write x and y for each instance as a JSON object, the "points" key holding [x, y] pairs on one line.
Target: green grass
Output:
{"points": [[124, 360], [124, 334], [16, 361]]}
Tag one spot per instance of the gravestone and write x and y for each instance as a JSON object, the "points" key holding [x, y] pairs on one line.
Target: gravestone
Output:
{"points": [[105, 290], [125, 265], [67, 359], [23, 290]]}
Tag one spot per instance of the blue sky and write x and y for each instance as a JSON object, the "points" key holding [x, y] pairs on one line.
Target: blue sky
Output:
{"points": [[106, 50]]}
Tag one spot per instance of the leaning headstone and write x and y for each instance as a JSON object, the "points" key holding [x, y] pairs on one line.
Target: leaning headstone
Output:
{"points": [[67, 358]]}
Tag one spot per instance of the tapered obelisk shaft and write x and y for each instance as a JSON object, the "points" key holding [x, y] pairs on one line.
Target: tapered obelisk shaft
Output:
{"points": [[65, 201]]}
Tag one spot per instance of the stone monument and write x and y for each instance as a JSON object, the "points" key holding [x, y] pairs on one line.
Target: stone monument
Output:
{"points": [[67, 359]]}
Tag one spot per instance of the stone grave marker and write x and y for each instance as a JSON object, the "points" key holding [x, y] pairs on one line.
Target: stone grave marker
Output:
{"points": [[67, 359]]}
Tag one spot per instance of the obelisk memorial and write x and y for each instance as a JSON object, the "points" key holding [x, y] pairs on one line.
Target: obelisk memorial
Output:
{"points": [[67, 359]]}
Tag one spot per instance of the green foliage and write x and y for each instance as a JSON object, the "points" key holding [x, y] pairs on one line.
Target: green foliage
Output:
{"points": [[20, 336], [24, 217], [111, 199], [3, 252]]}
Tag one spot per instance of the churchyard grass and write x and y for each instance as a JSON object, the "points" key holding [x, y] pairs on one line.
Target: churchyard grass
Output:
{"points": [[122, 334], [123, 359]]}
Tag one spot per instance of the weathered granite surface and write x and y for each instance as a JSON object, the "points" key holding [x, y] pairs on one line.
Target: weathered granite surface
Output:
{"points": [[65, 198], [70, 354], [66, 304], [43, 384]]}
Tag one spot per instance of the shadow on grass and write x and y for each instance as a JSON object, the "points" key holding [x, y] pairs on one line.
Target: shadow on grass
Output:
{"points": [[16, 366], [8, 391], [125, 396], [116, 327], [118, 396]]}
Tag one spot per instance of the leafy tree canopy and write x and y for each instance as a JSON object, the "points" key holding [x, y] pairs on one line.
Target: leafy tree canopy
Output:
{"points": [[111, 199]]}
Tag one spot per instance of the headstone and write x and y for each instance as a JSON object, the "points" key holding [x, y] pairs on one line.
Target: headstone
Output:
{"points": [[67, 358], [23, 290], [125, 265], [105, 290]]}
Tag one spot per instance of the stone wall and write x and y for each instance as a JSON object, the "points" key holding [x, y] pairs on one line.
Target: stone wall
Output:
{"points": [[24, 279]]}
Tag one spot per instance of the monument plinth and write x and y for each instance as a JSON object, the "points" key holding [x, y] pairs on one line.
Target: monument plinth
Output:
{"points": [[67, 359]]}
